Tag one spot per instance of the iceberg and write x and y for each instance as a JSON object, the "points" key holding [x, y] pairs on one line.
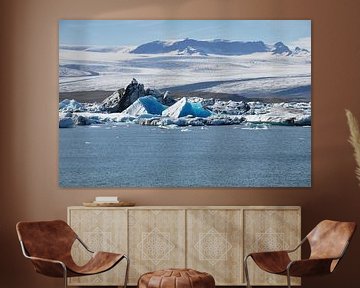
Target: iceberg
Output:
{"points": [[279, 114], [66, 122], [145, 105], [184, 108], [84, 120], [199, 111], [67, 105], [229, 107]]}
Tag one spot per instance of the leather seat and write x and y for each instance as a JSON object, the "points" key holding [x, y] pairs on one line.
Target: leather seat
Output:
{"points": [[48, 245], [328, 242]]}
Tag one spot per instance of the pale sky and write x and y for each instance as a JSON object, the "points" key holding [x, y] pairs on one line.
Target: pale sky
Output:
{"points": [[135, 32]]}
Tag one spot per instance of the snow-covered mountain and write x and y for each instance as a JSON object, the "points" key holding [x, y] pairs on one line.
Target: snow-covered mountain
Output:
{"points": [[281, 48], [258, 70], [202, 47], [216, 47], [195, 47], [301, 51]]}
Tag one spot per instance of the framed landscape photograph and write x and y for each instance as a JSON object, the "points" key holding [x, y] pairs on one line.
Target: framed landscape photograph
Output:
{"points": [[184, 103]]}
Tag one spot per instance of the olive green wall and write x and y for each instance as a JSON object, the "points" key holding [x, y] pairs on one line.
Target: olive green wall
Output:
{"points": [[29, 119]]}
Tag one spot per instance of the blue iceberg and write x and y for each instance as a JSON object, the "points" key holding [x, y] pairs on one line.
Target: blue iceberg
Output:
{"points": [[184, 108], [145, 105]]}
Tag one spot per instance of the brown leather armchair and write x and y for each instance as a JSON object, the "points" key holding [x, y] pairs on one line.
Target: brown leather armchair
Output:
{"points": [[48, 245], [328, 242]]}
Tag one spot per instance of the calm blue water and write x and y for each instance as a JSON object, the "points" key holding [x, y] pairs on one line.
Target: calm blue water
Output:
{"points": [[130, 155]]}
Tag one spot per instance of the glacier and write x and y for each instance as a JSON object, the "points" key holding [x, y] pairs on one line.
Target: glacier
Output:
{"points": [[261, 73]]}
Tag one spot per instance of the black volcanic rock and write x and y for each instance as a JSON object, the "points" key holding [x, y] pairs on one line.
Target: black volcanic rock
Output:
{"points": [[163, 98], [111, 103], [123, 98], [133, 92], [167, 100], [281, 48]]}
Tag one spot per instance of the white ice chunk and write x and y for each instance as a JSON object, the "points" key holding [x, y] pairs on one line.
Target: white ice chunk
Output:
{"points": [[71, 106], [280, 115]]}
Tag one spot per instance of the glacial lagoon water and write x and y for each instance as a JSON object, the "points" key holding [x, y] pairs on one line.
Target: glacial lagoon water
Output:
{"points": [[131, 155]]}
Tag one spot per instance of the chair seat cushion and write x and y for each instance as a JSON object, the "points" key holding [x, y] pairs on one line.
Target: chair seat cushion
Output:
{"points": [[176, 278], [99, 262]]}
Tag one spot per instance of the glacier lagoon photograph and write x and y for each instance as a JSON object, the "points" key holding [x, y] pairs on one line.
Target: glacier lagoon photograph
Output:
{"points": [[184, 103]]}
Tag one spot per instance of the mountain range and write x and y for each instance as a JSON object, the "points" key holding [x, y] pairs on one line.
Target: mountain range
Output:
{"points": [[217, 47], [197, 47]]}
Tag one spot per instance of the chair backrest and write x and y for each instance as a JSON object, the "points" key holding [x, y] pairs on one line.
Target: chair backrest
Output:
{"points": [[329, 239], [46, 239]]}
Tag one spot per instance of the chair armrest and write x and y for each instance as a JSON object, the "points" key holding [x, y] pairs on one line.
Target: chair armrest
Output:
{"points": [[84, 245], [280, 251], [309, 267], [45, 260], [298, 246], [268, 253], [48, 267]]}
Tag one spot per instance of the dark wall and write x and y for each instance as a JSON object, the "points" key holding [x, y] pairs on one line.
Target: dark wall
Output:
{"points": [[29, 119]]}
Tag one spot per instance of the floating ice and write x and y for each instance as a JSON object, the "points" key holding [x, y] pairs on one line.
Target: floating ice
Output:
{"points": [[229, 107], [148, 110], [145, 105], [199, 111], [253, 126], [280, 114], [71, 106], [184, 108], [66, 122]]}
